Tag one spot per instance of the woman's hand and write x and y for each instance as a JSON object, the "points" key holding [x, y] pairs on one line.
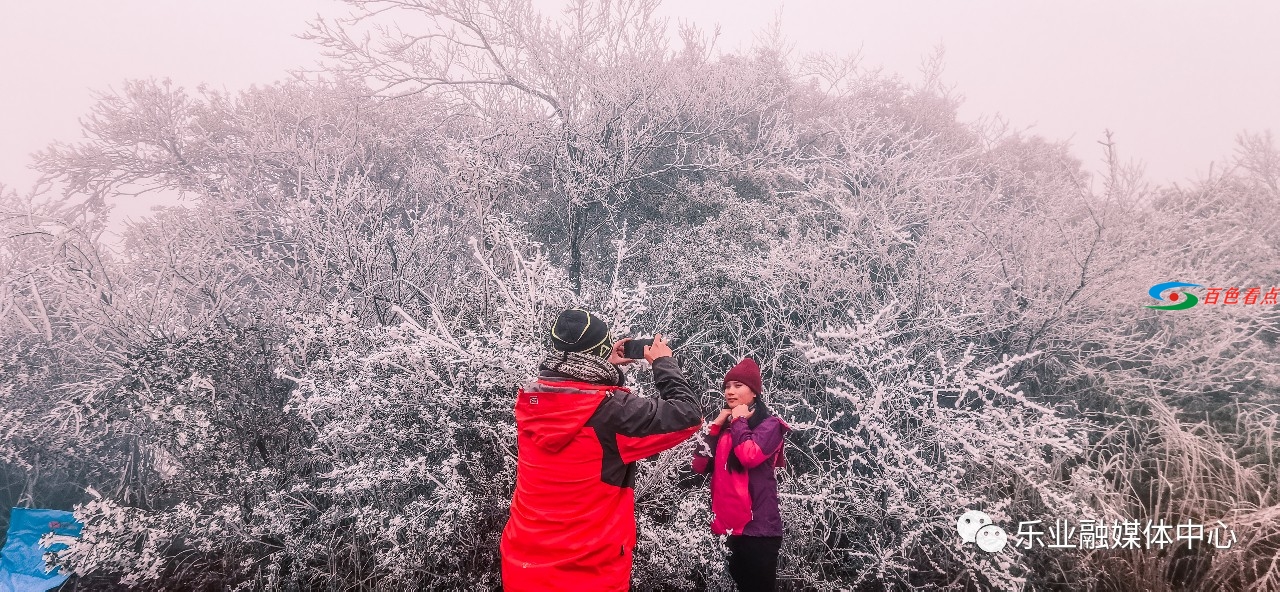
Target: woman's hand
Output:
{"points": [[659, 349], [742, 411], [723, 417], [615, 357]]}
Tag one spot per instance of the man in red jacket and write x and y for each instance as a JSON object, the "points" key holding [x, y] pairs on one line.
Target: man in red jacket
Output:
{"points": [[579, 434]]}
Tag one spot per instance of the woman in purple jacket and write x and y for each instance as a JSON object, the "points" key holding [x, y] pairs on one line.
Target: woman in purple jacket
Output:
{"points": [[744, 489]]}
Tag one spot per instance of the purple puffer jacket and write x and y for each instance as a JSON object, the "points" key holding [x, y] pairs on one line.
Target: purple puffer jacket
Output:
{"points": [[746, 502]]}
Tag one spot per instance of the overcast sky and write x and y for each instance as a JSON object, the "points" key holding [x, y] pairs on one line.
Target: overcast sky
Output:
{"points": [[1175, 81]]}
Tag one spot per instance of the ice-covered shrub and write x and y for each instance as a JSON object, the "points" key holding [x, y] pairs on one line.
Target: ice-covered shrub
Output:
{"points": [[895, 448]]}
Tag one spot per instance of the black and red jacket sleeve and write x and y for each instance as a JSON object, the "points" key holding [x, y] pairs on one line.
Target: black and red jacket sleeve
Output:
{"points": [[644, 426]]}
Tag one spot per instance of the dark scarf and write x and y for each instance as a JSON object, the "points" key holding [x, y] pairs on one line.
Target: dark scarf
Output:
{"points": [[759, 415], [580, 366]]}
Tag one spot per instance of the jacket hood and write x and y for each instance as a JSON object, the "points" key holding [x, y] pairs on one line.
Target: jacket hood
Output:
{"points": [[551, 413]]}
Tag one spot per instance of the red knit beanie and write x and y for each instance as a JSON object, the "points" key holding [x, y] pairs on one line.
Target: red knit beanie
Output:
{"points": [[747, 372]]}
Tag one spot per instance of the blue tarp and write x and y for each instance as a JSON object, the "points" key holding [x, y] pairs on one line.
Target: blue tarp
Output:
{"points": [[22, 559]]}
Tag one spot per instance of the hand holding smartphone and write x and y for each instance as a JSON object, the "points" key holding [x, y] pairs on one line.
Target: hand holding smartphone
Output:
{"points": [[634, 348]]}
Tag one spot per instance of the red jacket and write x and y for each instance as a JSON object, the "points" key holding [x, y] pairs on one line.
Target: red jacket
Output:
{"points": [[572, 524]]}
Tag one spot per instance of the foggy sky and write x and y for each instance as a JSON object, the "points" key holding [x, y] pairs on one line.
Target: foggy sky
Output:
{"points": [[1175, 81]]}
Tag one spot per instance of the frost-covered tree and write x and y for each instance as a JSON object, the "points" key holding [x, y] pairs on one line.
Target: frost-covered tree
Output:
{"points": [[300, 375]]}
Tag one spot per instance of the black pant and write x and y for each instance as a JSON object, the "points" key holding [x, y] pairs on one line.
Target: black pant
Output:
{"points": [[753, 562]]}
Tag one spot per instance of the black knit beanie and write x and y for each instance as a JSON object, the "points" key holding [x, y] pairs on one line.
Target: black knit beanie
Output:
{"points": [[577, 330]]}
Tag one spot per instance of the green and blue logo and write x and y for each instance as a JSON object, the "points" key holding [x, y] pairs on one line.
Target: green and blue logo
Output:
{"points": [[1178, 299]]}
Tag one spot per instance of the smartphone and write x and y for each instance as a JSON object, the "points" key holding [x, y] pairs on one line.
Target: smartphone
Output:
{"points": [[634, 349]]}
